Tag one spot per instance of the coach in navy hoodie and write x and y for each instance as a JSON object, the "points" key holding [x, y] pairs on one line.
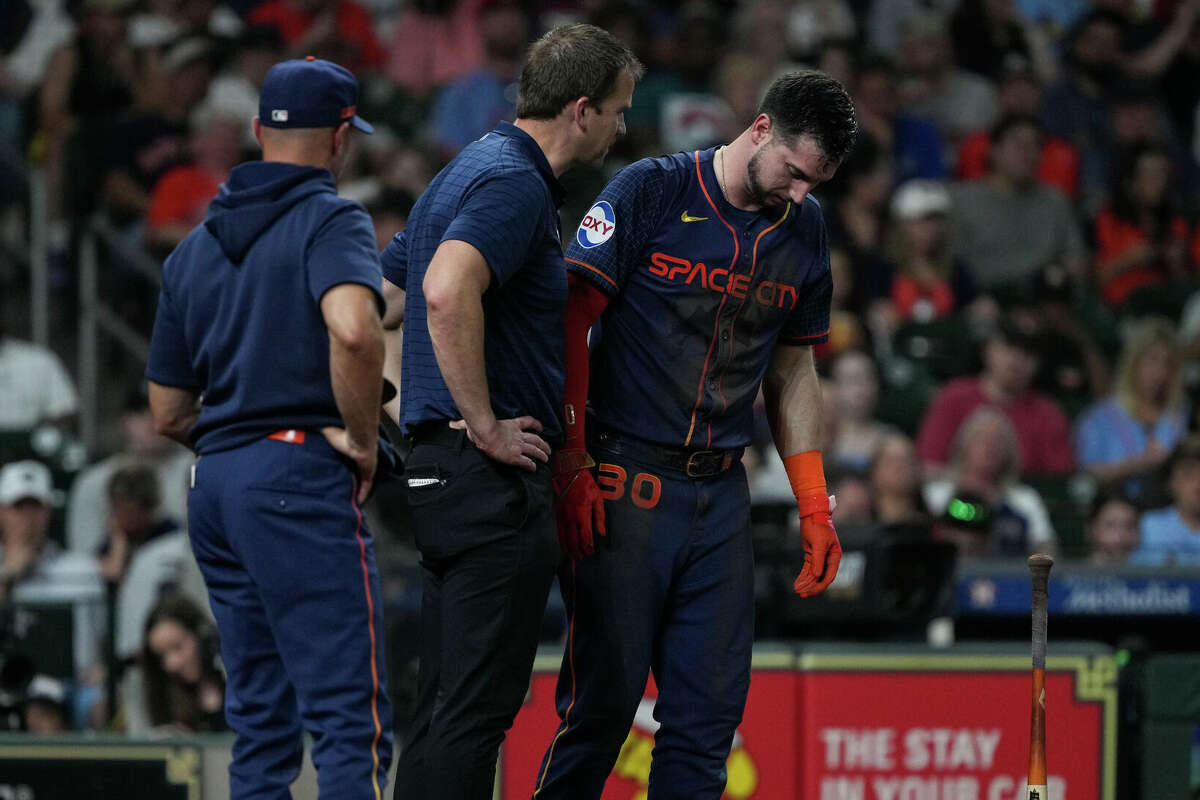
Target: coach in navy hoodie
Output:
{"points": [[267, 359]]}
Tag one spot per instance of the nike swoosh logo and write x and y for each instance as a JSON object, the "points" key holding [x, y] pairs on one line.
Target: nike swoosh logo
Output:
{"points": [[686, 217]]}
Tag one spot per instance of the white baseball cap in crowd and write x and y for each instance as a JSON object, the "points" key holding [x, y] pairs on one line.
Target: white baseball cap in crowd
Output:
{"points": [[25, 479], [920, 198], [47, 690]]}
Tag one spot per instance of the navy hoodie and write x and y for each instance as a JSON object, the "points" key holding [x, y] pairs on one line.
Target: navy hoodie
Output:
{"points": [[239, 318]]}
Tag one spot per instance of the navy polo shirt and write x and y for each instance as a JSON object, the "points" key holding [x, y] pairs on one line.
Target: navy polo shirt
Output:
{"points": [[239, 318], [702, 293], [500, 196]]}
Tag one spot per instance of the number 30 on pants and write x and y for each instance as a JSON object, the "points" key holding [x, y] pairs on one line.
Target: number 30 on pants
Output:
{"points": [[645, 491]]}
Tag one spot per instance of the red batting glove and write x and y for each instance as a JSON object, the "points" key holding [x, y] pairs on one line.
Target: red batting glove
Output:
{"points": [[578, 509], [822, 550]]}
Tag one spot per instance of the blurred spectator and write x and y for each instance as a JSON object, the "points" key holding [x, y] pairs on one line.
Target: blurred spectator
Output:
{"points": [[857, 435], [811, 24], [234, 92], [846, 331], [181, 196], [153, 137], [89, 83], [683, 51], [471, 106], [146, 554], [87, 503], [739, 82], [165, 21], [756, 32], [1010, 361], [1123, 440], [1076, 108], [340, 31], [35, 570], [929, 281], [982, 506], [913, 146], [34, 385], [895, 481], [838, 58], [957, 101], [1020, 92], [886, 20], [1136, 117], [1171, 536], [33, 30], [389, 214], [987, 33], [184, 683], [1181, 91], [689, 115], [854, 502], [1054, 16], [856, 221], [434, 42], [46, 706], [1073, 367], [1008, 226], [1149, 46], [1141, 238], [1112, 529]]}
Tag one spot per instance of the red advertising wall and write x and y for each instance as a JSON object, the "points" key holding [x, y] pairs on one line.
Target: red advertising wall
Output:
{"points": [[876, 727]]}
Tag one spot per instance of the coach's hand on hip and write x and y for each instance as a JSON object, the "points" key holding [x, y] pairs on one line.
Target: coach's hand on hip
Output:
{"points": [[510, 441], [364, 458]]}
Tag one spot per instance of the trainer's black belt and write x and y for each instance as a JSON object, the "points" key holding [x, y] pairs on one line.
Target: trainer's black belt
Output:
{"points": [[439, 432], [691, 462]]}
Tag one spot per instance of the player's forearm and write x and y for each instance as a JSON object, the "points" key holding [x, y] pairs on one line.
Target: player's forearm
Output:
{"points": [[792, 393], [455, 321], [585, 303], [174, 411], [393, 341], [356, 372]]}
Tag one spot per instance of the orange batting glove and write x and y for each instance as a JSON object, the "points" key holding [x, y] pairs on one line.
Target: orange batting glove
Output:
{"points": [[578, 507], [822, 550]]}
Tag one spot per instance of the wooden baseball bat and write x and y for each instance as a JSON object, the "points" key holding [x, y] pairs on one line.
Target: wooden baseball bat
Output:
{"points": [[1039, 566]]}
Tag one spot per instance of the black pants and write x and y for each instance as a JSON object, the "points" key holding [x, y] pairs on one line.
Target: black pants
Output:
{"points": [[488, 555]]}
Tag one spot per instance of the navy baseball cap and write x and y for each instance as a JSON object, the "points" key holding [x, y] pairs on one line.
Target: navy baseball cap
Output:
{"points": [[309, 93]]}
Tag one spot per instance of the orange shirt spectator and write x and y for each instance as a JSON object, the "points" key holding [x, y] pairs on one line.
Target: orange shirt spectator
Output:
{"points": [[1115, 238], [352, 29], [1058, 166], [1140, 239], [181, 197], [430, 50]]}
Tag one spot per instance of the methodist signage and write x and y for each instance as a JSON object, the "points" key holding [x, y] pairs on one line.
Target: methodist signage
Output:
{"points": [[860, 722]]}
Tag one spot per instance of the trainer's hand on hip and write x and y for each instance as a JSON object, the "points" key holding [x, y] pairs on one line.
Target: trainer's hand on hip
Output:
{"points": [[510, 441], [822, 550], [364, 458], [579, 512]]}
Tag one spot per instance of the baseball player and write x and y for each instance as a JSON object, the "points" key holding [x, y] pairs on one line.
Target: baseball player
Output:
{"points": [[709, 275], [478, 278], [266, 359]]}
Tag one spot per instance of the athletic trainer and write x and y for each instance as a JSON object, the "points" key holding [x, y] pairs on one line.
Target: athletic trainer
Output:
{"points": [[479, 282], [267, 359], [709, 273]]}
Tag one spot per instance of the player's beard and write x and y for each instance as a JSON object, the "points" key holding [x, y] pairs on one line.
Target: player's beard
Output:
{"points": [[753, 182]]}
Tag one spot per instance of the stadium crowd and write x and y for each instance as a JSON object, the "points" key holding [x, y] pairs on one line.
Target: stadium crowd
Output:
{"points": [[1014, 360]]}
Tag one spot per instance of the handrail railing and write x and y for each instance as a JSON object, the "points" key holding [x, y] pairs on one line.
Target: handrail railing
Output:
{"points": [[32, 181], [96, 317]]}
